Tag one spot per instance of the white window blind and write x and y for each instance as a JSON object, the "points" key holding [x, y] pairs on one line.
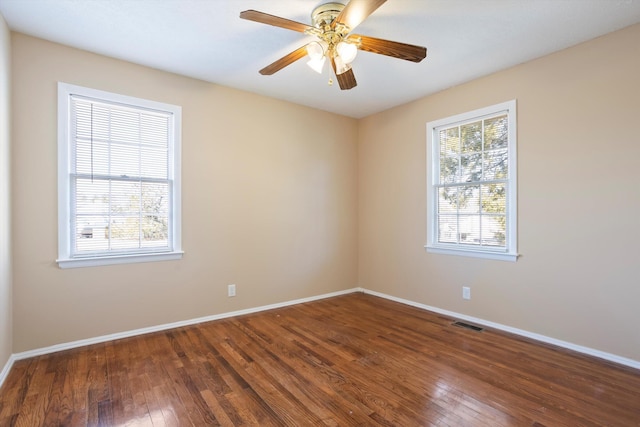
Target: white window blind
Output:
{"points": [[120, 178], [472, 182]]}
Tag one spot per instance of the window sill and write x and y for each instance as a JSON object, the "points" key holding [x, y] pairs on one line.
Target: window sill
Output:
{"points": [[501, 256], [118, 259]]}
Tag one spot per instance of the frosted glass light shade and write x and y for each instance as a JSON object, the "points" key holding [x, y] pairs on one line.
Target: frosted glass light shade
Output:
{"points": [[341, 67], [347, 51], [315, 51], [316, 64]]}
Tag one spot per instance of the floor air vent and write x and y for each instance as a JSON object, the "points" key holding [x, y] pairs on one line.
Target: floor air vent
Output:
{"points": [[467, 326]]}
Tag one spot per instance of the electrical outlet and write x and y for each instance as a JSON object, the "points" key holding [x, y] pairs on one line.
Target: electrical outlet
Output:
{"points": [[466, 292], [231, 290]]}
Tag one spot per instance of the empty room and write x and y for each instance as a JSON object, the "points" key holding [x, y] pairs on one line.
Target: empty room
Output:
{"points": [[301, 212]]}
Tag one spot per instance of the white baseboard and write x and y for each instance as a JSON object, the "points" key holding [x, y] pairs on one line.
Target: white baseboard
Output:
{"points": [[542, 338], [7, 367], [127, 334]]}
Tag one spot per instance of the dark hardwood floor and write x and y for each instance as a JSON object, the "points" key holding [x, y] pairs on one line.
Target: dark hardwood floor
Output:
{"points": [[345, 361]]}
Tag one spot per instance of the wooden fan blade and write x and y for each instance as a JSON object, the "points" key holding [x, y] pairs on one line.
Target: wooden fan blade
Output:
{"points": [[404, 51], [288, 59], [276, 21], [356, 11], [346, 80]]}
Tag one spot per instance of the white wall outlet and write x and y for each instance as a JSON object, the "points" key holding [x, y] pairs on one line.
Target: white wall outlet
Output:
{"points": [[231, 290], [466, 292]]}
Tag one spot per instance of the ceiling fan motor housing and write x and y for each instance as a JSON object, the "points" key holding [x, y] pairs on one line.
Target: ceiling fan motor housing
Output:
{"points": [[325, 14], [325, 26]]}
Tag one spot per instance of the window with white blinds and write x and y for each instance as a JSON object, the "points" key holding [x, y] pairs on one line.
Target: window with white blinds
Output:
{"points": [[118, 178], [471, 183]]}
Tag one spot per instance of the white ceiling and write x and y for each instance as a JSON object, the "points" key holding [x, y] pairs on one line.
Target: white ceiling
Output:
{"points": [[206, 39]]}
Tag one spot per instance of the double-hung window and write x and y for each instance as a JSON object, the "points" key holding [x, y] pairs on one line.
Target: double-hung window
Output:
{"points": [[471, 183], [118, 178]]}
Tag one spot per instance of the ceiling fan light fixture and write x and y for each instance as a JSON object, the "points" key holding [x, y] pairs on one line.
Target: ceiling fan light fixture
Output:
{"points": [[347, 51], [315, 51], [341, 67], [317, 64]]}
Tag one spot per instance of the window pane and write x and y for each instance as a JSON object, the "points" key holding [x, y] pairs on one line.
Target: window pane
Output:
{"points": [[470, 229], [449, 141], [495, 165], [154, 130], [470, 167], [154, 162], [90, 233], [449, 167], [449, 155], [469, 199], [92, 158], [125, 126], [155, 230], [91, 120], [100, 131], [471, 137], [125, 232], [155, 198], [125, 198], [92, 197], [155, 208], [447, 229], [448, 200], [125, 160], [494, 230], [494, 198], [495, 133]]}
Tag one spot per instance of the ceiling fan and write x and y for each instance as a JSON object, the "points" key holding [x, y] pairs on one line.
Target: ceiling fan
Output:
{"points": [[332, 24]]}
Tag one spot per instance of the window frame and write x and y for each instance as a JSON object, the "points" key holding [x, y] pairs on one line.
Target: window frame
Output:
{"points": [[65, 194], [510, 252]]}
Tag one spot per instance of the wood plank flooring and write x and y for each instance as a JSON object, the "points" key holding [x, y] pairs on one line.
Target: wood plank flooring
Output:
{"points": [[354, 360]]}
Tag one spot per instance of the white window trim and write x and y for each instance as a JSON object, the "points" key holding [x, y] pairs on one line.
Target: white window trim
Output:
{"points": [[432, 246], [65, 260]]}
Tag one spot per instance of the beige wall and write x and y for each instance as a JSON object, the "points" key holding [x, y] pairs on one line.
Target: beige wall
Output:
{"points": [[269, 203], [286, 213], [578, 190], [5, 227]]}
